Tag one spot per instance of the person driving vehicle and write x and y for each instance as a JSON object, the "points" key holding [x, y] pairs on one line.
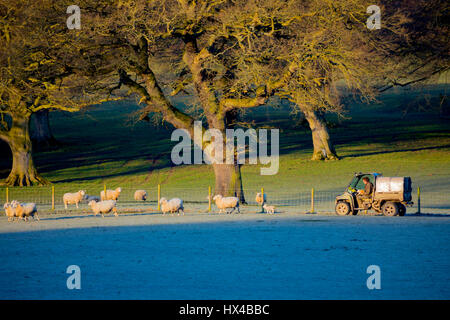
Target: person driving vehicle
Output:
{"points": [[365, 193]]}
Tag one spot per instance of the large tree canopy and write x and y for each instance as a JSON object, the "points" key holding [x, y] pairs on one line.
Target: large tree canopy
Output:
{"points": [[40, 69], [211, 55], [332, 53]]}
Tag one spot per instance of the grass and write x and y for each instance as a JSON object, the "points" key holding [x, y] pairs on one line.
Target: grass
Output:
{"points": [[103, 144]]}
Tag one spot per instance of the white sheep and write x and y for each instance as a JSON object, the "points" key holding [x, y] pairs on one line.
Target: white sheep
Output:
{"points": [[224, 203], [259, 198], [73, 198], [110, 194], [269, 209], [89, 198], [140, 195], [26, 210], [10, 211], [105, 206], [172, 206]]}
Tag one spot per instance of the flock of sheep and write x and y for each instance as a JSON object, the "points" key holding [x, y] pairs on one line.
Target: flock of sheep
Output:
{"points": [[18, 210], [106, 203]]}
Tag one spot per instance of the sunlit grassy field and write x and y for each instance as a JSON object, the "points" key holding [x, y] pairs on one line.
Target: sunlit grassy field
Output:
{"points": [[105, 145]]}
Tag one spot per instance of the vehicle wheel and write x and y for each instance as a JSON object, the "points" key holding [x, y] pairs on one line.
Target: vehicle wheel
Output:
{"points": [[390, 209], [401, 209], [342, 208]]}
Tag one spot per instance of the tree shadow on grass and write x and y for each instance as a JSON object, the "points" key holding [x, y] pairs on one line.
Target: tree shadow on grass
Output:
{"points": [[362, 154], [141, 169]]}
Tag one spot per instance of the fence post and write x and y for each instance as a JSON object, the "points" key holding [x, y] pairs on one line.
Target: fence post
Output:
{"points": [[312, 201], [7, 194], [262, 195], [159, 196], [104, 189], [53, 197], [418, 200], [209, 199]]}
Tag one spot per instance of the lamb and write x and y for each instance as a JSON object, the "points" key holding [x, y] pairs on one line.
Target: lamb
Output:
{"points": [[111, 194], [9, 211], [223, 203], [73, 198], [140, 195], [105, 206], [89, 198], [26, 210], [269, 209], [172, 206], [259, 198]]}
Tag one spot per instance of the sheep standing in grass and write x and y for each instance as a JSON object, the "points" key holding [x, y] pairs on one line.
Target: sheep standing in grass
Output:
{"points": [[172, 206], [10, 211], [26, 210], [260, 199], [89, 198], [110, 194], [224, 203], [140, 195], [73, 198], [102, 207], [269, 209]]}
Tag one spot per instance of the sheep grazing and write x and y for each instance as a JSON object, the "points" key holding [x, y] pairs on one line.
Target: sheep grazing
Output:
{"points": [[259, 198], [224, 203], [269, 209], [102, 207], [140, 195], [172, 206], [110, 194], [9, 211], [73, 198], [26, 210], [89, 198]]}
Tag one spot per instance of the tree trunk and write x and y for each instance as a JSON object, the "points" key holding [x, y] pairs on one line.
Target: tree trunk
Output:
{"points": [[42, 136], [323, 147], [229, 180], [23, 172]]}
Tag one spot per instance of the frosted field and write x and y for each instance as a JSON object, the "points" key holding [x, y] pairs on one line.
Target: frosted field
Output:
{"points": [[211, 256]]}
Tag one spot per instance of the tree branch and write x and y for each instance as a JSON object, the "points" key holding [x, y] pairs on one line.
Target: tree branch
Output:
{"points": [[67, 108], [55, 106], [232, 103], [262, 93], [194, 59], [156, 101], [4, 135], [398, 84]]}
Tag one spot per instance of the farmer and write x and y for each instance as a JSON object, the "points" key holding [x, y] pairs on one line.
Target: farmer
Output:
{"points": [[366, 193]]}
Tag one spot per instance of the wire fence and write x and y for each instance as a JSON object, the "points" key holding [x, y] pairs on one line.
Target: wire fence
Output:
{"points": [[50, 198]]}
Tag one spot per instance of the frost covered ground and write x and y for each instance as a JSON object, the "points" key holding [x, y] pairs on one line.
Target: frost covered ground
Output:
{"points": [[212, 256]]}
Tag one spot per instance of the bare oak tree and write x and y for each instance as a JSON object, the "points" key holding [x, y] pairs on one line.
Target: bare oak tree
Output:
{"points": [[334, 54], [37, 72], [209, 47]]}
